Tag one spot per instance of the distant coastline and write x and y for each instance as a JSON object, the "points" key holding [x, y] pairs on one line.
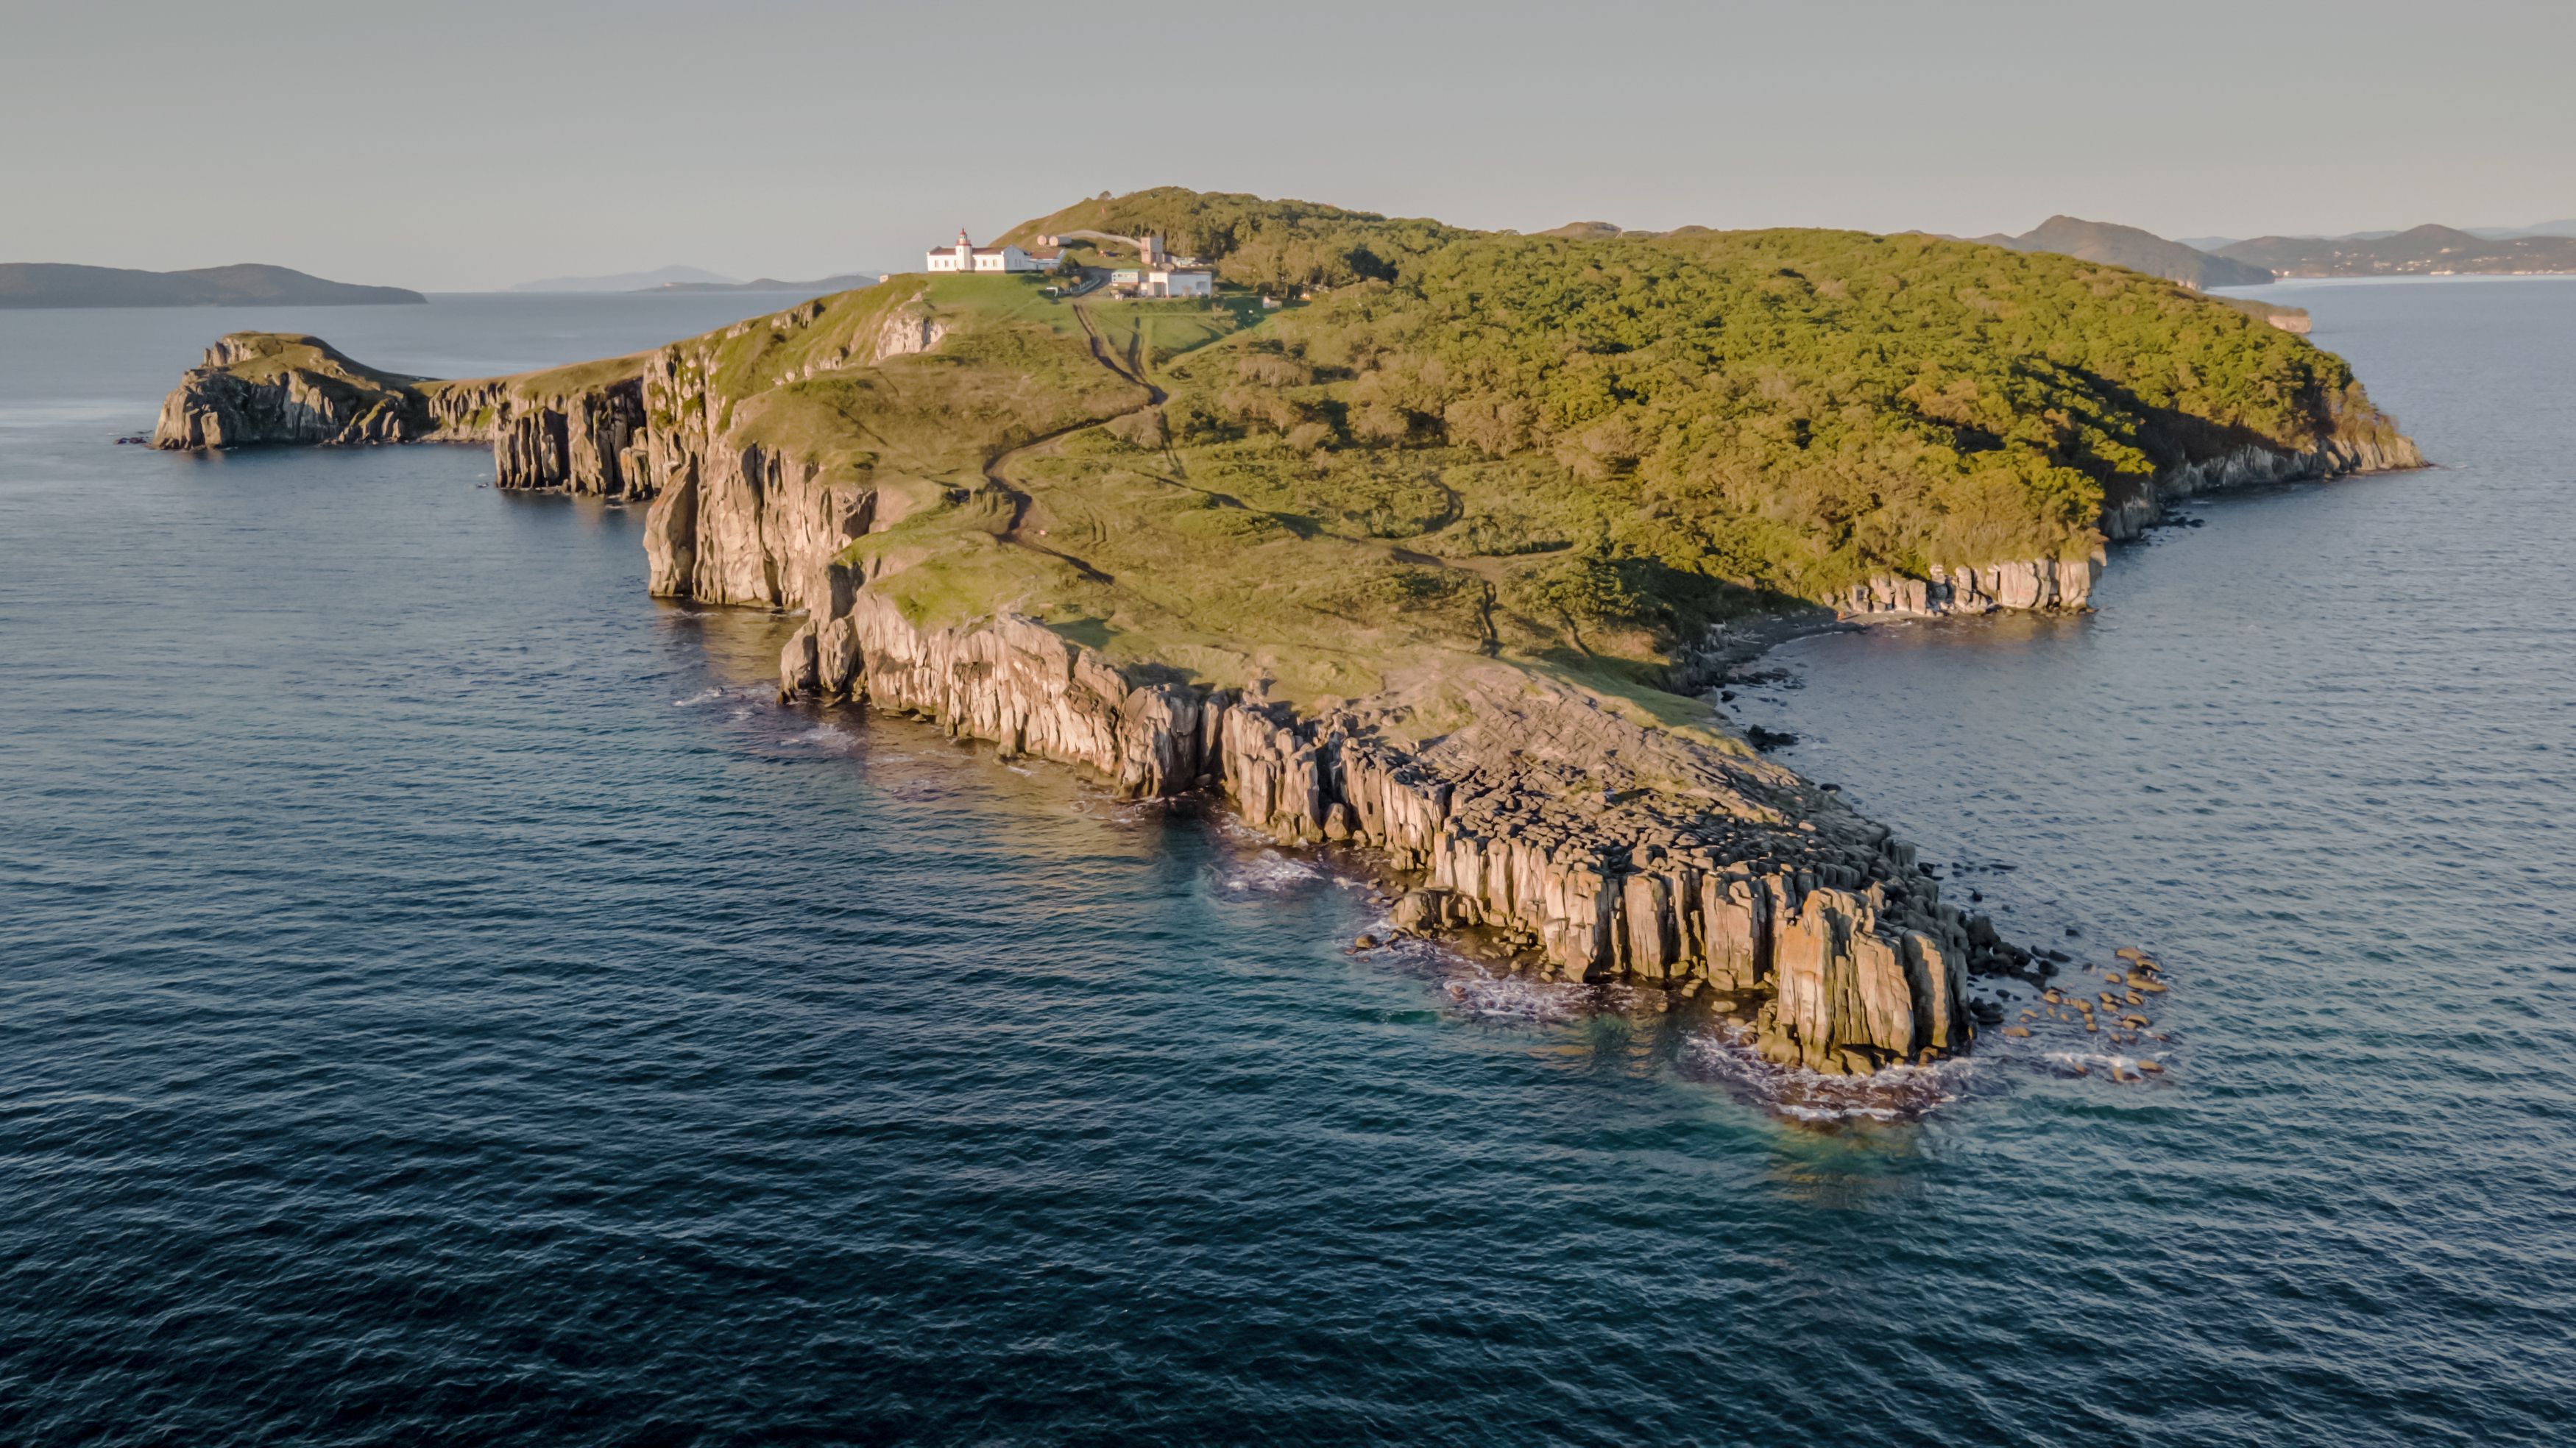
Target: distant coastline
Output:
{"points": [[2429, 251], [57, 284]]}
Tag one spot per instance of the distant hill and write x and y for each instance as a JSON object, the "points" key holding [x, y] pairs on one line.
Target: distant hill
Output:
{"points": [[1605, 231], [2424, 251], [55, 284], [626, 281], [2215, 244], [2137, 250], [848, 281]]}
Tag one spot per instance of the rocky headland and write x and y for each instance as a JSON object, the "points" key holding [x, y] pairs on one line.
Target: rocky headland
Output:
{"points": [[1345, 586]]}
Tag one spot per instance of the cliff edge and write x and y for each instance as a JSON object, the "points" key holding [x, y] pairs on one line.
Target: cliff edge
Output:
{"points": [[1426, 563]]}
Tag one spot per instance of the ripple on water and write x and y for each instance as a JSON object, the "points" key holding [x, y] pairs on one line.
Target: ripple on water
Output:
{"points": [[449, 1002]]}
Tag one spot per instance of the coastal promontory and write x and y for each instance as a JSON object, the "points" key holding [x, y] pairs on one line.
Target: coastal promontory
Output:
{"points": [[1419, 542]]}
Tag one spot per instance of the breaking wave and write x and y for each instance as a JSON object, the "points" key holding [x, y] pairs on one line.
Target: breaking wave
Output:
{"points": [[1725, 1057]]}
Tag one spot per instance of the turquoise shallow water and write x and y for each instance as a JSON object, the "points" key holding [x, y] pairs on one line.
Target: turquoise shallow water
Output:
{"points": [[450, 1004]]}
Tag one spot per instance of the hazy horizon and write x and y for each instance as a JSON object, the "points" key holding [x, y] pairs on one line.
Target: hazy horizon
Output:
{"points": [[497, 146]]}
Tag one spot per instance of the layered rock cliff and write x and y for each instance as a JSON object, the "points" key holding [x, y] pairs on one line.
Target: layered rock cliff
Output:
{"points": [[2067, 583], [274, 387], [2252, 466], [573, 429], [1284, 588], [1680, 866]]}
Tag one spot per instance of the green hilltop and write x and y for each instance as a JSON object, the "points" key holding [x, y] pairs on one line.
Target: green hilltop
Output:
{"points": [[1568, 451], [1563, 454]]}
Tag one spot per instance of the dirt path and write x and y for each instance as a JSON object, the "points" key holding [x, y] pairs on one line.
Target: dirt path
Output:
{"points": [[997, 469], [1130, 367]]}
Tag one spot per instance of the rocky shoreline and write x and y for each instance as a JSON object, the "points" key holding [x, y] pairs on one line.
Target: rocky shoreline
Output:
{"points": [[2067, 583], [1556, 834], [1569, 843]]}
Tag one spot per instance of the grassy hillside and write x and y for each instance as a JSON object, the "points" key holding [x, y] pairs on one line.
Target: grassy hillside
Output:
{"points": [[1562, 453], [1559, 454], [1276, 245]]}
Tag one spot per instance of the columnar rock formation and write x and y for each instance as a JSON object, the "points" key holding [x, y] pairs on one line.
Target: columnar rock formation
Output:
{"points": [[2045, 583], [1738, 877], [732, 521], [313, 395]]}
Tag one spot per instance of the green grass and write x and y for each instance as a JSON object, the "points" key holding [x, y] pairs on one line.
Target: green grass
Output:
{"points": [[1473, 451], [1567, 456]]}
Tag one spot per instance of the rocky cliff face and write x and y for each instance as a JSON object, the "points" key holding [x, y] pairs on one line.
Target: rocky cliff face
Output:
{"points": [[268, 388], [735, 522], [1720, 873], [281, 388], [2253, 467], [1681, 865], [2041, 583], [2063, 583]]}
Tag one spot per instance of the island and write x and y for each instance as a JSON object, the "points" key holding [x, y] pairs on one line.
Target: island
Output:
{"points": [[1418, 544], [52, 284]]}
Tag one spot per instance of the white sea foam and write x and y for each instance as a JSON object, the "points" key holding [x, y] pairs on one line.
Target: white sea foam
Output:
{"points": [[1517, 998], [2122, 1068], [1896, 1093], [1270, 872]]}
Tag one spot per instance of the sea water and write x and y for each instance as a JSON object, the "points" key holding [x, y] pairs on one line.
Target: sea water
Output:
{"points": [[448, 1002]]}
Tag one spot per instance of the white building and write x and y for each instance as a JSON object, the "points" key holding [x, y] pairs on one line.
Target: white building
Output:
{"points": [[966, 256], [1165, 281]]}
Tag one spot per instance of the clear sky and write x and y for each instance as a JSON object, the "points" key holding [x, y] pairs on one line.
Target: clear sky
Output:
{"points": [[470, 145]]}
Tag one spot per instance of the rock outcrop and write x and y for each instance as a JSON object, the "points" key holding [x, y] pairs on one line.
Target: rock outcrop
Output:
{"points": [[2067, 583], [582, 435], [1726, 873], [2042, 583], [2249, 467], [732, 521], [263, 387]]}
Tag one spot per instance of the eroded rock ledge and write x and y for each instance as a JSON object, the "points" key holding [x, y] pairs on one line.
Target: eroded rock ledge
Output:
{"points": [[2067, 583], [1559, 837], [577, 429]]}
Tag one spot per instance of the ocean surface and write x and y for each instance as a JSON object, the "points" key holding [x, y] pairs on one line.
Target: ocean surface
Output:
{"points": [[448, 1003]]}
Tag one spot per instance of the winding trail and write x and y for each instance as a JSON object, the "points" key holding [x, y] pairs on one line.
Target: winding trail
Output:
{"points": [[1129, 369], [997, 468]]}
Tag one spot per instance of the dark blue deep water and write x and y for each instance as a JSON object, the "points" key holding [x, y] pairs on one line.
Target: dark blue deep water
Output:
{"points": [[448, 1004]]}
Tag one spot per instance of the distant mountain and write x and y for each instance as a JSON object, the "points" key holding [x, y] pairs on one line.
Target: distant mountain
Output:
{"points": [[2137, 250], [56, 284], [2537, 228], [625, 281], [847, 282], [2483, 233], [2424, 251]]}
